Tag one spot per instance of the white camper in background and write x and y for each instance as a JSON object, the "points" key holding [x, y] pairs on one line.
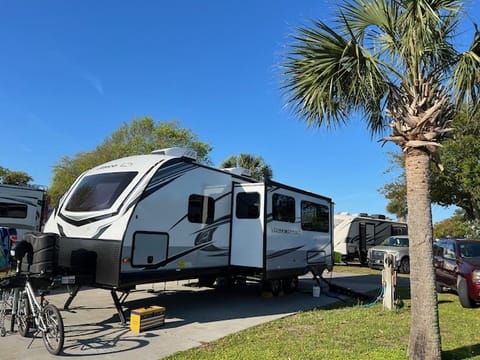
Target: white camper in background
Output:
{"points": [[162, 216], [354, 234], [23, 208]]}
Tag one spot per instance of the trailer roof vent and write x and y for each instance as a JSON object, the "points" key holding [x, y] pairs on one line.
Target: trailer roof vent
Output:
{"points": [[238, 171], [363, 214], [177, 152], [379, 216]]}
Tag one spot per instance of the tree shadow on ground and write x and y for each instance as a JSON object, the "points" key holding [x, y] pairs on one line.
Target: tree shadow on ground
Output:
{"points": [[464, 352]]}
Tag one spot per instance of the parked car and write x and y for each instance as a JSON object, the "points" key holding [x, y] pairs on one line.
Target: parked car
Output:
{"points": [[457, 267], [396, 245]]}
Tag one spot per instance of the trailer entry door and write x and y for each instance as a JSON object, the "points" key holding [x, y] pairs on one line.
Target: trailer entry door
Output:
{"points": [[367, 239], [248, 225]]}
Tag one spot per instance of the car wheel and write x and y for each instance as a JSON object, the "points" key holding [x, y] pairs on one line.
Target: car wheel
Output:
{"points": [[405, 266], [462, 291]]}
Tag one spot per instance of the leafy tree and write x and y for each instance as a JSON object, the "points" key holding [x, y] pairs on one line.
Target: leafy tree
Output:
{"points": [[141, 136], [393, 61], [459, 182], [258, 169], [14, 177], [396, 192], [456, 226]]}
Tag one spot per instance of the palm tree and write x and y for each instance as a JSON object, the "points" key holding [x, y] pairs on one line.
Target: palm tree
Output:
{"points": [[258, 169], [394, 62]]}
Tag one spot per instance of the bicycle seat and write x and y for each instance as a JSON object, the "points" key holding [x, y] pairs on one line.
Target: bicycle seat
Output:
{"points": [[21, 248]]}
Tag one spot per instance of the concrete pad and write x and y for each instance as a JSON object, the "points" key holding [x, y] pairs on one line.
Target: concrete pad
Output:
{"points": [[194, 316]]}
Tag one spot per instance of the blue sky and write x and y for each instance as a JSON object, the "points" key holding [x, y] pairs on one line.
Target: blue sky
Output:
{"points": [[71, 72]]}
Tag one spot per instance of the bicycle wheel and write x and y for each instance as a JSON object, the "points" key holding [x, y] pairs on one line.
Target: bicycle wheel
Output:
{"points": [[22, 317], [54, 335], [3, 311]]}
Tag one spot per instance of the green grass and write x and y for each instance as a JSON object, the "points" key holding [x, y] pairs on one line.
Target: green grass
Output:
{"points": [[347, 331]]}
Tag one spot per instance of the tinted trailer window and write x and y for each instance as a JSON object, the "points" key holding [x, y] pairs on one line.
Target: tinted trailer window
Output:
{"points": [[16, 211], [99, 192], [315, 217]]}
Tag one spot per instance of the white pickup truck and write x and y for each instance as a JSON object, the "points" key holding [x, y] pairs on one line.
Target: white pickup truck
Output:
{"points": [[396, 245]]}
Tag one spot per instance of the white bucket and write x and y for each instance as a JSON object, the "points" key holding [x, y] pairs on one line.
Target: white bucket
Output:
{"points": [[316, 291]]}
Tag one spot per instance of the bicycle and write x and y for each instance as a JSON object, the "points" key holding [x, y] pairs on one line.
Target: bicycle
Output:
{"points": [[26, 309], [6, 299]]}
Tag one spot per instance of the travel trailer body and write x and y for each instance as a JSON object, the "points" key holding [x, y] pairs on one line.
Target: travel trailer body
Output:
{"points": [[354, 234], [162, 216], [22, 209]]}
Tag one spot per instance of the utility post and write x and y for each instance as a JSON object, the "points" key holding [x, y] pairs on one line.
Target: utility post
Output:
{"points": [[389, 281]]}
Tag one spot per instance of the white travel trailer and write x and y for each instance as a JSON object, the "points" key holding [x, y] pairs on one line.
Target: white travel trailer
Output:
{"points": [[162, 216], [354, 234], [23, 208]]}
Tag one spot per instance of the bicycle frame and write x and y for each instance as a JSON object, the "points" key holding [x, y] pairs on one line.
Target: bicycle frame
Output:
{"points": [[46, 317], [35, 306]]}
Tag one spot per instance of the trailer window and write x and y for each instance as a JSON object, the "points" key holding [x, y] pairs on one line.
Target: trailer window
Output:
{"points": [[315, 217], [201, 209], [283, 208], [399, 230], [16, 211], [248, 205], [99, 192]]}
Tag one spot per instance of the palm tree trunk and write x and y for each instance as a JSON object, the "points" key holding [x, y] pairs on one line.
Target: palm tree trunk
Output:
{"points": [[424, 341]]}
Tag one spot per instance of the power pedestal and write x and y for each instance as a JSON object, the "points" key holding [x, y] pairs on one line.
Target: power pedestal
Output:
{"points": [[389, 281]]}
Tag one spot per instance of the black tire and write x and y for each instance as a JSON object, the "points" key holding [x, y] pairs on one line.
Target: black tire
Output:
{"points": [[54, 336], [362, 257], [290, 285], [462, 291], [23, 318], [404, 267], [275, 286], [206, 281]]}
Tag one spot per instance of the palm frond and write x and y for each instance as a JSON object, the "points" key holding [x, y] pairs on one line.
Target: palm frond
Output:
{"points": [[466, 77], [330, 76], [387, 59], [363, 14]]}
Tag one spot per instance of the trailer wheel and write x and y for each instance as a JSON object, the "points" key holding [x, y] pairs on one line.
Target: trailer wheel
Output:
{"points": [[362, 257], [274, 286], [290, 284]]}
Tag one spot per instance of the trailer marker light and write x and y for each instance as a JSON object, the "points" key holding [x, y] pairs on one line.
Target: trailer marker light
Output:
{"points": [[126, 260]]}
